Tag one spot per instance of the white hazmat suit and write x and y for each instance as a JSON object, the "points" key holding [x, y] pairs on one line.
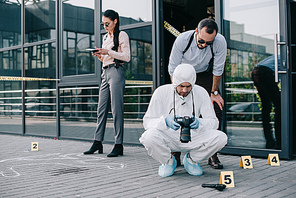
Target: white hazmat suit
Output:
{"points": [[160, 140]]}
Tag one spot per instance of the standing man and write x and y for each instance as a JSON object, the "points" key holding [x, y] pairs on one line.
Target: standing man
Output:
{"points": [[206, 50]]}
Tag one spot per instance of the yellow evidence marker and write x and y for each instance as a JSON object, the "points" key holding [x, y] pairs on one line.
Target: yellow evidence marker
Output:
{"points": [[34, 146], [226, 177], [273, 160], [246, 162]]}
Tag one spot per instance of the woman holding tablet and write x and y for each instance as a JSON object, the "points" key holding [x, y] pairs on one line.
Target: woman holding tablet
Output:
{"points": [[114, 52]]}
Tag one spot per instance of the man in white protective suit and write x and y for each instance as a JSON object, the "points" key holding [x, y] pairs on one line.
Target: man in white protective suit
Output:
{"points": [[174, 102]]}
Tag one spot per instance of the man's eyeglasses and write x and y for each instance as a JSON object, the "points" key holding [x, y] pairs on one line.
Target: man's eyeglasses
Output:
{"points": [[203, 42], [105, 24]]}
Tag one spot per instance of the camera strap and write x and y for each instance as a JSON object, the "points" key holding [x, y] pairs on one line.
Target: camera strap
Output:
{"points": [[174, 108]]}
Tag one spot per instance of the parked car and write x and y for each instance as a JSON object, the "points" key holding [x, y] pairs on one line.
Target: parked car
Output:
{"points": [[247, 111]]}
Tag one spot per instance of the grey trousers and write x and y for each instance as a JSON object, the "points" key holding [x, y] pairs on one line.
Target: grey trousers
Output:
{"points": [[111, 90]]}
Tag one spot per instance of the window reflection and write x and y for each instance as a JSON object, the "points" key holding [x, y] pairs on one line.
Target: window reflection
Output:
{"points": [[10, 63], [10, 107], [40, 20], [10, 16], [40, 96], [10, 92], [131, 11], [78, 35], [140, 66], [249, 40], [40, 61], [78, 107]]}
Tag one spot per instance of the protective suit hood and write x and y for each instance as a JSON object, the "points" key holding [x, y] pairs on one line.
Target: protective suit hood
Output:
{"points": [[184, 73]]}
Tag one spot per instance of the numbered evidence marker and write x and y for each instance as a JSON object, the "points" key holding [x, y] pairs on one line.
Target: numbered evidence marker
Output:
{"points": [[226, 177], [273, 160], [246, 162], [34, 146]]}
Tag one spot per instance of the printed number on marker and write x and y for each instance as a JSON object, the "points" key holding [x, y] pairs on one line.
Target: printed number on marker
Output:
{"points": [[274, 159], [34, 146], [227, 179], [247, 162]]}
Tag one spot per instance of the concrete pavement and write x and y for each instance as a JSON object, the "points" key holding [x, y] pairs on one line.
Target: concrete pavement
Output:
{"points": [[59, 169]]}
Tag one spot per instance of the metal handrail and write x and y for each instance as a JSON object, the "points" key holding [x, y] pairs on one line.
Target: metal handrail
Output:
{"points": [[72, 105]]}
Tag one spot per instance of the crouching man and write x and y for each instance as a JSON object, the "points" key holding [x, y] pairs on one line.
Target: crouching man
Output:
{"points": [[180, 117]]}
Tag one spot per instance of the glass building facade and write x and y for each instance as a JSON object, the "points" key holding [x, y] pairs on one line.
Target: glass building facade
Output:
{"points": [[55, 89]]}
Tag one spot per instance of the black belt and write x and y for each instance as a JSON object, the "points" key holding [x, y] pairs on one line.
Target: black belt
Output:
{"points": [[111, 65]]}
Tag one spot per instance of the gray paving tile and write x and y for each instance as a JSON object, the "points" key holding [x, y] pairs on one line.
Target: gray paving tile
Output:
{"points": [[59, 169]]}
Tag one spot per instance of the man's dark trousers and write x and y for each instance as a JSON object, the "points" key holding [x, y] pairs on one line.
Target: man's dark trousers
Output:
{"points": [[205, 80], [269, 93]]}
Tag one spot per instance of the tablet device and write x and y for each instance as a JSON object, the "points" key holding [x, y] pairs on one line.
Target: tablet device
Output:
{"points": [[91, 50]]}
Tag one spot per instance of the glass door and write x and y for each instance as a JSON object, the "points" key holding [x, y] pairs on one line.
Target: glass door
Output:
{"points": [[252, 95]]}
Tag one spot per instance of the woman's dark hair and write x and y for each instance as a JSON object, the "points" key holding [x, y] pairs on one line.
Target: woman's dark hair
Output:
{"points": [[210, 24], [112, 15]]}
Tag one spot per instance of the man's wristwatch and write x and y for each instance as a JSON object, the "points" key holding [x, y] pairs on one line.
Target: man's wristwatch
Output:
{"points": [[215, 93]]}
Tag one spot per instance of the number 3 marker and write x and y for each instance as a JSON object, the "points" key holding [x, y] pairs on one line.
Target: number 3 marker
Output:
{"points": [[246, 162]]}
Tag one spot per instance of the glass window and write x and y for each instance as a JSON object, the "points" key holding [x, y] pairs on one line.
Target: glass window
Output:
{"points": [[140, 66], [10, 63], [39, 20], [250, 39], [78, 35], [79, 108], [40, 61], [10, 17], [40, 96], [130, 11], [10, 92], [79, 104], [11, 106]]}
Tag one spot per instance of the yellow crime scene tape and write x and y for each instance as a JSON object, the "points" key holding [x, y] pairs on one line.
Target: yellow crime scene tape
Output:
{"points": [[14, 78], [171, 29], [138, 82]]}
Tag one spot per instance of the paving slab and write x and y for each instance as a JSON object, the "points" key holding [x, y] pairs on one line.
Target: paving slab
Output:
{"points": [[59, 169]]}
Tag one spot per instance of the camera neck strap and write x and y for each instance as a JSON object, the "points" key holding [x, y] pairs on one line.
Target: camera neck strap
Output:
{"points": [[193, 111]]}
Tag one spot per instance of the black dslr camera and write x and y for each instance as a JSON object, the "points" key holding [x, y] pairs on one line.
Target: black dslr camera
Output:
{"points": [[185, 121]]}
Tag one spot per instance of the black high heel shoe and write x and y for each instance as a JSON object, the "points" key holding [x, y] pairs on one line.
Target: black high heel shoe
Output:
{"points": [[117, 150], [97, 146]]}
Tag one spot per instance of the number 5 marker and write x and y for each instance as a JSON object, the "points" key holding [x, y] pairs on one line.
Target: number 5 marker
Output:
{"points": [[226, 177]]}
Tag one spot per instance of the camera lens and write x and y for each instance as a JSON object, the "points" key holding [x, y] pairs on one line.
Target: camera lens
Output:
{"points": [[185, 135], [184, 122]]}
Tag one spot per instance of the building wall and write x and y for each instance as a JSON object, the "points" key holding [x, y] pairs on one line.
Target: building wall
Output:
{"points": [[57, 51]]}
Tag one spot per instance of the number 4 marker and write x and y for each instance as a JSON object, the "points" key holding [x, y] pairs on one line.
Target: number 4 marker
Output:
{"points": [[273, 160]]}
